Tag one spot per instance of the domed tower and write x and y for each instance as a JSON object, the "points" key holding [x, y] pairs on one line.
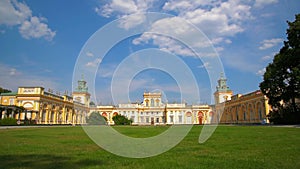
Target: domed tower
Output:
{"points": [[223, 93], [81, 93]]}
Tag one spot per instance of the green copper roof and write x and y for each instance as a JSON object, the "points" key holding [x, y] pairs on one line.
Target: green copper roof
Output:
{"points": [[9, 94]]}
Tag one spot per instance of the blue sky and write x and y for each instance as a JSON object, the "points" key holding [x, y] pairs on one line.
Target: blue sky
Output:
{"points": [[40, 42]]}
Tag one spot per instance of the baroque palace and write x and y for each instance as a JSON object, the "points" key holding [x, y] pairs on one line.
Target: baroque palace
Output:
{"points": [[38, 106]]}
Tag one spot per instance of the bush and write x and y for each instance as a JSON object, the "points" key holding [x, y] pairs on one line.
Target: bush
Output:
{"points": [[8, 122], [121, 120], [285, 115]]}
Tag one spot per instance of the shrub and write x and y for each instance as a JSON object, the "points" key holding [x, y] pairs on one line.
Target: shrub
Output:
{"points": [[8, 122], [121, 120]]}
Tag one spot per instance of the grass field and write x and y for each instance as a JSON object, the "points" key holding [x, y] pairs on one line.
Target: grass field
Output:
{"points": [[229, 147]]}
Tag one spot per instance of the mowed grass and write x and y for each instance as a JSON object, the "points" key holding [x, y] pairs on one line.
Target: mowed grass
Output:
{"points": [[229, 147]]}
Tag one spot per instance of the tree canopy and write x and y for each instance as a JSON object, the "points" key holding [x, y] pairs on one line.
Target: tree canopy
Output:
{"points": [[2, 90], [281, 81]]}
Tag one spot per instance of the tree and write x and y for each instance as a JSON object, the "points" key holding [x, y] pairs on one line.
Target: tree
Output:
{"points": [[2, 90], [92, 103], [281, 82], [96, 119], [121, 120]]}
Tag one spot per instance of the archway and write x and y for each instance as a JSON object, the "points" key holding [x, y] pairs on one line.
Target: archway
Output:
{"points": [[200, 117]]}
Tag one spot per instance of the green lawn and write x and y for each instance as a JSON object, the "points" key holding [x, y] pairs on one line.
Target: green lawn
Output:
{"points": [[229, 147]]}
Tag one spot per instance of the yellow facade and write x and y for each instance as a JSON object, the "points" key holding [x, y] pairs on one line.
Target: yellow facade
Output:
{"points": [[38, 106], [45, 107], [249, 108]]}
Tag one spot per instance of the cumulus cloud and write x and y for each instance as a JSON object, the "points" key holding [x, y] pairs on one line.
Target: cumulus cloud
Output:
{"points": [[269, 43], [124, 8], [34, 28], [219, 20], [14, 13]]}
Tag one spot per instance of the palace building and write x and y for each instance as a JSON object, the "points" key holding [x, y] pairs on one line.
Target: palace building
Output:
{"points": [[236, 109], [38, 106], [152, 111]]}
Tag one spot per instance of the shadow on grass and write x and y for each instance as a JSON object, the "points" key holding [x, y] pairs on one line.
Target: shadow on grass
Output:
{"points": [[45, 161]]}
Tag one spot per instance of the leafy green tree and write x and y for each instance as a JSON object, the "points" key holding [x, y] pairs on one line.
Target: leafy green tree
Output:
{"points": [[121, 120], [281, 83], [92, 103], [2, 90], [96, 119]]}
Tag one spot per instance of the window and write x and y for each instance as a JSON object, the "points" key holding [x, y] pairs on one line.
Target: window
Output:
{"points": [[180, 119], [171, 119], [157, 120], [11, 101], [152, 103], [147, 119], [132, 118], [142, 119]]}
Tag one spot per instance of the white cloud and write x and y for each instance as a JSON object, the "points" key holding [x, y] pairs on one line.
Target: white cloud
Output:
{"points": [[225, 19], [119, 6], [267, 57], [130, 21], [93, 63], [261, 72], [217, 19], [14, 13], [89, 54], [124, 8], [261, 3], [269, 43], [34, 28]]}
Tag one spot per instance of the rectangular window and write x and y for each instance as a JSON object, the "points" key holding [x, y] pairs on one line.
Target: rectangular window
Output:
{"points": [[171, 119], [147, 119], [11, 101], [132, 118], [142, 120], [180, 119], [157, 120]]}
